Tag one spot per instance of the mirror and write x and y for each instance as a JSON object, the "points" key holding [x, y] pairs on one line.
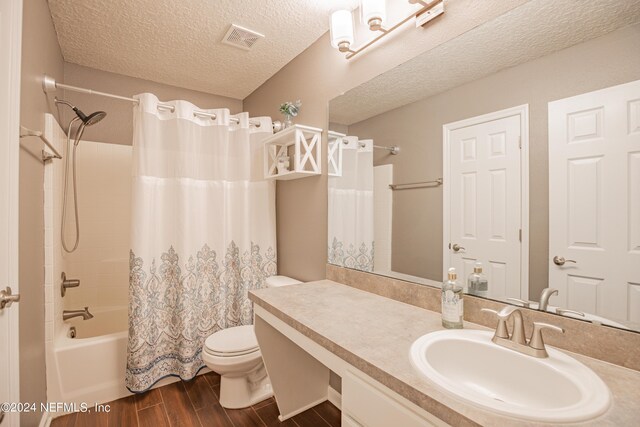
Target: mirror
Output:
{"points": [[516, 145]]}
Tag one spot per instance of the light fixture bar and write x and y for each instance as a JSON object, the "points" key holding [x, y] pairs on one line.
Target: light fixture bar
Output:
{"points": [[426, 7]]}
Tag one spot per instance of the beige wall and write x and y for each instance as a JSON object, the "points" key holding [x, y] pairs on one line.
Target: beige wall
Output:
{"points": [[417, 128], [40, 54], [319, 74], [117, 127]]}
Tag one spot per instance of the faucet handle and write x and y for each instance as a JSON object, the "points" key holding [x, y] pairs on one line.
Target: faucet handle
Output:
{"points": [[536, 342], [501, 328]]}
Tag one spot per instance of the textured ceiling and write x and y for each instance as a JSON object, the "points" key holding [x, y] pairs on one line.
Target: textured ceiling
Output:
{"points": [[532, 30], [178, 42]]}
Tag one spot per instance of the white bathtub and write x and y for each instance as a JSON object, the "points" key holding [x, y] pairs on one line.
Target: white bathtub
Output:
{"points": [[91, 367]]}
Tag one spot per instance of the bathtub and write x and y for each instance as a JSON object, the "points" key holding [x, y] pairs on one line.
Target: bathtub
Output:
{"points": [[91, 367]]}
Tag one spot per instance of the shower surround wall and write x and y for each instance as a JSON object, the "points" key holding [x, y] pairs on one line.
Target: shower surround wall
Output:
{"points": [[100, 262]]}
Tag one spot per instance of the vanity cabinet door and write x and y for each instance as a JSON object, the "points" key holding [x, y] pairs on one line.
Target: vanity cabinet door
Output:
{"points": [[347, 421], [368, 403]]}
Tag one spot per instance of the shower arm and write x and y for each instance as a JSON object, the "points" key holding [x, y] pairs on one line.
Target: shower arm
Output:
{"points": [[62, 101], [68, 104]]}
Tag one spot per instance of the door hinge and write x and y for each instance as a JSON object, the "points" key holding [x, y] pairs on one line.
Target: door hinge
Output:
{"points": [[520, 234], [520, 142]]}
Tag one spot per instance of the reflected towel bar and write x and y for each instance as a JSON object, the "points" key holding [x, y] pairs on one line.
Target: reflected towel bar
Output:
{"points": [[25, 132], [411, 185], [394, 149]]}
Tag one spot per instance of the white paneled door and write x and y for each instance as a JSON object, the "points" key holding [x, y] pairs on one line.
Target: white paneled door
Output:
{"points": [[10, 37], [594, 202], [484, 199]]}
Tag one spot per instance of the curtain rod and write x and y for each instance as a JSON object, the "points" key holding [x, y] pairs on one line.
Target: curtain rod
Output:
{"points": [[49, 84]]}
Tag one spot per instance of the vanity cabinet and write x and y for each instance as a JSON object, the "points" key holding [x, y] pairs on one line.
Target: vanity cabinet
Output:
{"points": [[365, 402], [347, 421], [299, 371], [307, 332]]}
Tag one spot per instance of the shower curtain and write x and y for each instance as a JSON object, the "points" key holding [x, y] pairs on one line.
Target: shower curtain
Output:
{"points": [[202, 234], [351, 233]]}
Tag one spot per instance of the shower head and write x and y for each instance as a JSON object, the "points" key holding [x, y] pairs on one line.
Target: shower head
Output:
{"points": [[92, 118], [89, 120]]}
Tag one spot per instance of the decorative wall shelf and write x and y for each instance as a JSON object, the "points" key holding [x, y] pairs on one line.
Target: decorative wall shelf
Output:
{"points": [[334, 158], [302, 144]]}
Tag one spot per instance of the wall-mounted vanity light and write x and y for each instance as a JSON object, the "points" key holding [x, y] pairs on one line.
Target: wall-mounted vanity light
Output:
{"points": [[373, 13]]}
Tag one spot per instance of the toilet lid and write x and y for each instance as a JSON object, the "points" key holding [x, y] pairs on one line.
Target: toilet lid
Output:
{"points": [[232, 341]]}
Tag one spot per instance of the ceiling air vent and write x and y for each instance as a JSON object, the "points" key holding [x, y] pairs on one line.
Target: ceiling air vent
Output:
{"points": [[241, 37]]}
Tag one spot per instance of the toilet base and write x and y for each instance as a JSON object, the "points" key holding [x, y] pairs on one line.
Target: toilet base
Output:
{"points": [[238, 392]]}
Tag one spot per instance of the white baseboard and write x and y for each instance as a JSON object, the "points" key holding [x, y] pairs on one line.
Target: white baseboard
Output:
{"points": [[45, 421], [334, 397]]}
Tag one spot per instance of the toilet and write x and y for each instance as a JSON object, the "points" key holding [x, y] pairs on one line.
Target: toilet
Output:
{"points": [[234, 354]]}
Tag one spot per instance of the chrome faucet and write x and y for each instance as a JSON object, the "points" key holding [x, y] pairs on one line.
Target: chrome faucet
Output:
{"points": [[544, 298], [70, 314], [516, 341]]}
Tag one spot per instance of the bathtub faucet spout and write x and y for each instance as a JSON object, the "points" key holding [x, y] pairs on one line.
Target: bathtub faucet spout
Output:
{"points": [[70, 314]]}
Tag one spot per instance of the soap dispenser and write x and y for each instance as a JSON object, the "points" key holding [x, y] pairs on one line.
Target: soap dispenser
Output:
{"points": [[452, 302], [477, 284]]}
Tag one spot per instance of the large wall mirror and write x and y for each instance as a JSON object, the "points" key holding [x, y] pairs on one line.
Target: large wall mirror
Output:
{"points": [[515, 145]]}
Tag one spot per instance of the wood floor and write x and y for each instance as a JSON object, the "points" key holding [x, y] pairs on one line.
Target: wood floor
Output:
{"points": [[194, 403]]}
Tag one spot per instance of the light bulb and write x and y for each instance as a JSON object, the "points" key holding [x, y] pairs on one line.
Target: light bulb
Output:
{"points": [[342, 30], [374, 13]]}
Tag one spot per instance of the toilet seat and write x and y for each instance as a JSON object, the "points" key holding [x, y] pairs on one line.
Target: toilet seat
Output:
{"points": [[232, 342]]}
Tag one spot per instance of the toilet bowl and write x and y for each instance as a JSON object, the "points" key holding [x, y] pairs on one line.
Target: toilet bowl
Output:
{"points": [[234, 354]]}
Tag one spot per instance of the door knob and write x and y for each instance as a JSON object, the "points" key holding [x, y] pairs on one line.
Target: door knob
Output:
{"points": [[7, 298], [559, 260], [456, 247]]}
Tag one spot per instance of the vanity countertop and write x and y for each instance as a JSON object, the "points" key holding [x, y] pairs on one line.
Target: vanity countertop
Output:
{"points": [[375, 333]]}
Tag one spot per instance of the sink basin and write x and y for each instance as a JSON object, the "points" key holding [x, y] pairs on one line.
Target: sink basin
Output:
{"points": [[469, 365]]}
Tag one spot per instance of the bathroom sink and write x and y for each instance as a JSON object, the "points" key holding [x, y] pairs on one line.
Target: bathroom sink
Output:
{"points": [[469, 365]]}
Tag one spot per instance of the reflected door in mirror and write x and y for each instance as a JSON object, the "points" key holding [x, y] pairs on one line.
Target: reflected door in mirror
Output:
{"points": [[594, 201], [484, 194]]}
